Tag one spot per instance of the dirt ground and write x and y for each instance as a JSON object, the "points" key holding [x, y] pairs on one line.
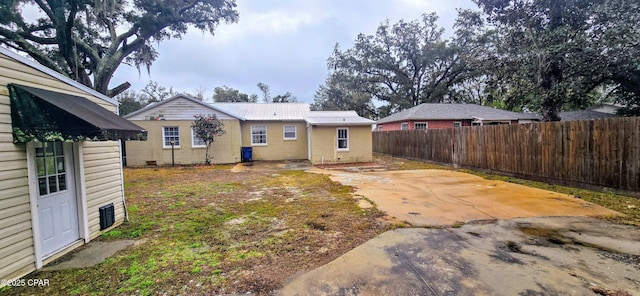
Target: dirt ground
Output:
{"points": [[215, 230]]}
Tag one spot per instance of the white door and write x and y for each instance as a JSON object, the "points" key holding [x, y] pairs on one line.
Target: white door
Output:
{"points": [[57, 206]]}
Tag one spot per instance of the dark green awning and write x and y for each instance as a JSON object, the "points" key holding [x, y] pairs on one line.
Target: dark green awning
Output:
{"points": [[47, 115]]}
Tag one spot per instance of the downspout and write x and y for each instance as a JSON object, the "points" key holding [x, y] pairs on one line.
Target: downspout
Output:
{"points": [[122, 153], [124, 203], [309, 135]]}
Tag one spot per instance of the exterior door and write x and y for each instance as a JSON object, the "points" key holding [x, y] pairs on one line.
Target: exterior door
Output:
{"points": [[57, 204]]}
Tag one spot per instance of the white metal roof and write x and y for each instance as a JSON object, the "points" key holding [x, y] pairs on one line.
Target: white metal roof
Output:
{"points": [[275, 112], [336, 118], [266, 111], [332, 113]]}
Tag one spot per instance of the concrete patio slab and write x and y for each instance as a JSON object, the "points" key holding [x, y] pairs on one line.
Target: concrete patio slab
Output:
{"points": [[528, 256], [443, 197], [89, 255]]}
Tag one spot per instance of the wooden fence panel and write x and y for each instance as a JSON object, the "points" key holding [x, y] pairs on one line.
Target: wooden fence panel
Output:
{"points": [[630, 146], [603, 152]]}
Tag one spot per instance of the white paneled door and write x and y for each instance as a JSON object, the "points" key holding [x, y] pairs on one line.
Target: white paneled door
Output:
{"points": [[57, 205]]}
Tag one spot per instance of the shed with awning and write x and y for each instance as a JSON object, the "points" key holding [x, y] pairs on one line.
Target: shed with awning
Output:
{"points": [[61, 176], [48, 115]]}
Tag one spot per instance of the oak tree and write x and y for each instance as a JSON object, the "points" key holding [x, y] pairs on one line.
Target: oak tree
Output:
{"points": [[87, 40], [229, 94]]}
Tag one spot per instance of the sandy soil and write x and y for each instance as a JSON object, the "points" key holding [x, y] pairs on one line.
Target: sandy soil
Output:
{"points": [[442, 197]]}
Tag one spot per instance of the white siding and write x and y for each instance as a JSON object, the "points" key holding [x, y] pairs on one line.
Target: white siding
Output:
{"points": [[179, 109], [103, 181], [17, 256], [16, 243]]}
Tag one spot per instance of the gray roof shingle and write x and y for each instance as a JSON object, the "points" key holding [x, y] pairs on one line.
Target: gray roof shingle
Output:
{"points": [[584, 115], [427, 111]]}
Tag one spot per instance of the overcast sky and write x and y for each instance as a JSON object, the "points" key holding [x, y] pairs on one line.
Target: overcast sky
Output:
{"points": [[283, 43]]}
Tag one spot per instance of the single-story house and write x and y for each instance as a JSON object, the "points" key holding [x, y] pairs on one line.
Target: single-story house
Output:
{"points": [[584, 115], [606, 107], [272, 131], [428, 116], [61, 182]]}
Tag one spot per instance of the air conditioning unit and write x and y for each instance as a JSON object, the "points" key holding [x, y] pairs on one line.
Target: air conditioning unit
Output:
{"points": [[107, 216]]}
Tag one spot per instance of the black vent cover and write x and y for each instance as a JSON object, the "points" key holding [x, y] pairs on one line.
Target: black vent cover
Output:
{"points": [[107, 216]]}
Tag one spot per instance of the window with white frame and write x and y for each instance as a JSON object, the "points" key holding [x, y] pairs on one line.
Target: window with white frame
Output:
{"points": [[170, 134], [404, 126], [380, 127], [258, 135], [420, 125], [457, 124], [289, 132], [196, 141], [343, 138]]}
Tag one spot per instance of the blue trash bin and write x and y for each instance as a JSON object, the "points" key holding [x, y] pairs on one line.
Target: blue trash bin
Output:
{"points": [[246, 154]]}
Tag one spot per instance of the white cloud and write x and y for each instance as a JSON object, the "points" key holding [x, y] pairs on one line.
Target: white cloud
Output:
{"points": [[280, 21], [284, 43], [277, 21]]}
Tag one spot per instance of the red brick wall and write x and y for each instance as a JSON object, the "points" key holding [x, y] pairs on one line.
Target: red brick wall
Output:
{"points": [[389, 126]]}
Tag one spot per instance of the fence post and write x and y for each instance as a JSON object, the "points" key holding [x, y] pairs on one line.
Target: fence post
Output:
{"points": [[453, 148]]}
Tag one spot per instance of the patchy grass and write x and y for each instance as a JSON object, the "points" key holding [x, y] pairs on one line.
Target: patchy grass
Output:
{"points": [[206, 230], [629, 206]]}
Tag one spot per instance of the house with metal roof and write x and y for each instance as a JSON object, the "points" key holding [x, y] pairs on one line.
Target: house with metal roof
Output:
{"points": [[429, 116], [270, 131], [338, 137], [61, 182]]}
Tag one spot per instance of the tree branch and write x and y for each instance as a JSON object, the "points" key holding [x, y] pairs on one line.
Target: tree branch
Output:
{"points": [[118, 89], [187, 7], [124, 36], [46, 9], [85, 48], [28, 48], [39, 40]]}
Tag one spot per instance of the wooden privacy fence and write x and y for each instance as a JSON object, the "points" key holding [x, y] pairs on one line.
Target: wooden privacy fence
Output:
{"points": [[603, 152]]}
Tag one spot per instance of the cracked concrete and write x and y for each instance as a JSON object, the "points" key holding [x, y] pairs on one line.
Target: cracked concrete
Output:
{"points": [[517, 241], [564, 256]]}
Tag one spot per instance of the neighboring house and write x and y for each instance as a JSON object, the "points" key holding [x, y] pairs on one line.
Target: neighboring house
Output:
{"points": [[429, 116], [609, 108], [584, 115], [55, 196], [274, 131]]}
